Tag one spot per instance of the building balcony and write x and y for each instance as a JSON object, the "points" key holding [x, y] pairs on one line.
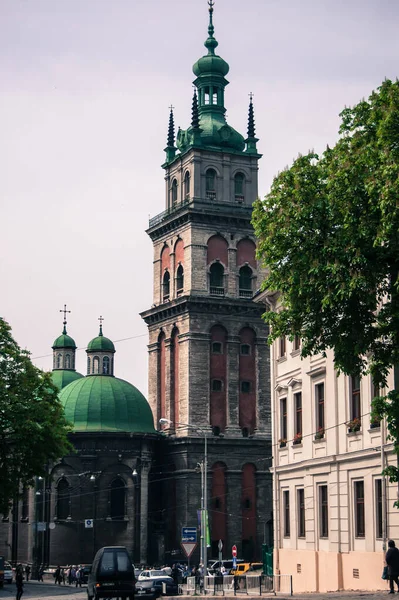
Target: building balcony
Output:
{"points": [[204, 205], [246, 293], [216, 291]]}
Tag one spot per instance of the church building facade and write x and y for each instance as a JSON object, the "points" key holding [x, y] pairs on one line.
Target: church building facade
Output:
{"points": [[132, 481]]}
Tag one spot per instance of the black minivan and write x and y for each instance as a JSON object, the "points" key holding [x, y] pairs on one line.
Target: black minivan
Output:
{"points": [[112, 574]]}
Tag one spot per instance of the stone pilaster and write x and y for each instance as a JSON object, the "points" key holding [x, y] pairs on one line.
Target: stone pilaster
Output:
{"points": [[144, 469]]}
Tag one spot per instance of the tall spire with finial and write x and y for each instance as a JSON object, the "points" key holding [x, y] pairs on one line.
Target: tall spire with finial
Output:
{"points": [[170, 142], [211, 43], [251, 139], [194, 111], [171, 129]]}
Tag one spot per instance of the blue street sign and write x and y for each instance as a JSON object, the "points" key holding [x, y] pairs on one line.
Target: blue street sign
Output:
{"points": [[234, 562], [189, 535]]}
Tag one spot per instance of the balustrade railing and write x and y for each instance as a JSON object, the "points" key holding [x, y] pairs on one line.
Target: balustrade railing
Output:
{"points": [[200, 204]]}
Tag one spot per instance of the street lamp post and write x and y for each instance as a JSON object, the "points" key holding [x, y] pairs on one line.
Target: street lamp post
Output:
{"points": [[204, 491]]}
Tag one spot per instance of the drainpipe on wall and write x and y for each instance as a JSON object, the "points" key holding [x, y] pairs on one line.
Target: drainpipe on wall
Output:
{"points": [[276, 486], [337, 453], [384, 491]]}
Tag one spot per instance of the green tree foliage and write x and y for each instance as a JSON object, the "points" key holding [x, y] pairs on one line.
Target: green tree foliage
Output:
{"points": [[328, 234], [33, 429]]}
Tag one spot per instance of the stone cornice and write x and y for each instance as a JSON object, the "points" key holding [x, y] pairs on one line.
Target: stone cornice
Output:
{"points": [[202, 304]]}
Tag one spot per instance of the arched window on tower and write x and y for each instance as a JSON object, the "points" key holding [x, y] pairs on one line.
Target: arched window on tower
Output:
{"points": [[106, 365], [239, 181], [59, 360], [96, 365], [210, 184], [88, 365], [67, 361], [174, 192], [63, 500], [187, 186], [117, 499], [166, 286], [245, 282], [216, 279], [179, 280]]}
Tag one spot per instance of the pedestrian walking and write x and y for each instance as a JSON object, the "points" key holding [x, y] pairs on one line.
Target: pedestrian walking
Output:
{"points": [[392, 560], [57, 575], [27, 572], [19, 582], [78, 577], [40, 573]]}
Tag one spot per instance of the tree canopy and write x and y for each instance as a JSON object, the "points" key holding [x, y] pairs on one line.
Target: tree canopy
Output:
{"points": [[33, 429], [328, 234]]}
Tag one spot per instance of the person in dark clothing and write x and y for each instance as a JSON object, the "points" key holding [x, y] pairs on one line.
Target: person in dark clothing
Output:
{"points": [[392, 560], [19, 582]]}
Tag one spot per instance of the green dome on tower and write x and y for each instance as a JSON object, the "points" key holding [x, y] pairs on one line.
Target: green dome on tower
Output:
{"points": [[106, 404], [64, 341], [100, 343]]}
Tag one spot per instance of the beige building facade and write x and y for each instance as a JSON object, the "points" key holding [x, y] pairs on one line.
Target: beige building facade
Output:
{"points": [[333, 508]]}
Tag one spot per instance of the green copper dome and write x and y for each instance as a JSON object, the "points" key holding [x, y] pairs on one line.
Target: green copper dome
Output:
{"points": [[211, 64], [106, 404], [100, 344], [64, 341], [61, 377]]}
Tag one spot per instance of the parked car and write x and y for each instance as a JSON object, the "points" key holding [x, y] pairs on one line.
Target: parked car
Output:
{"points": [[8, 572], [154, 588], [111, 575], [214, 566], [153, 574]]}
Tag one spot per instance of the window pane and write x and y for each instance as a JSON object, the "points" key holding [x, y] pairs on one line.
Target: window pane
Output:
{"points": [[286, 508], [323, 511], [319, 389], [298, 412], [359, 509], [283, 416], [378, 508], [301, 513]]}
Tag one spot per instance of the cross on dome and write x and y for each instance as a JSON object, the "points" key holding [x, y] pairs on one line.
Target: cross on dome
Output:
{"points": [[101, 319], [65, 311]]}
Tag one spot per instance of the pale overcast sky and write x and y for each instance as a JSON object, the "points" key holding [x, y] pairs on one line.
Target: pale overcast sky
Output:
{"points": [[84, 93]]}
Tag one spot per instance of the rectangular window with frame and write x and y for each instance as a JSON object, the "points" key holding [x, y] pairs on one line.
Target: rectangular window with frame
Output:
{"points": [[355, 411], [319, 395], [298, 413], [378, 509], [282, 346], [301, 513], [323, 511], [359, 509], [286, 511], [296, 344], [283, 419]]}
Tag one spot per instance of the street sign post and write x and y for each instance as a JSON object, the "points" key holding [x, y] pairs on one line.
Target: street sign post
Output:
{"points": [[188, 541], [234, 555]]}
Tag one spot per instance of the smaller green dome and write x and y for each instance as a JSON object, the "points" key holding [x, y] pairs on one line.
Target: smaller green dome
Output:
{"points": [[211, 64], [64, 341], [100, 343], [62, 377]]}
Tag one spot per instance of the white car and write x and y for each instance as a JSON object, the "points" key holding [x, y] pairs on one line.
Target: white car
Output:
{"points": [[153, 574], [8, 574]]}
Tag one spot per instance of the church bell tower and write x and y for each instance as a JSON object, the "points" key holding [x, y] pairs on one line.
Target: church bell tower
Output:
{"points": [[208, 352]]}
